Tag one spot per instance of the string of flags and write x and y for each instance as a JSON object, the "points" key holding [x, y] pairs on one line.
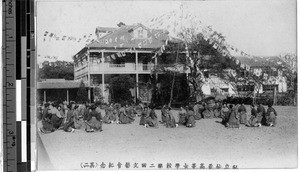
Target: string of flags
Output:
{"points": [[49, 36], [186, 27]]}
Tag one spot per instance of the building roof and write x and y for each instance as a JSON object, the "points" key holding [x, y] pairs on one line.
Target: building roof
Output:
{"points": [[271, 61], [105, 29], [122, 38], [58, 84]]}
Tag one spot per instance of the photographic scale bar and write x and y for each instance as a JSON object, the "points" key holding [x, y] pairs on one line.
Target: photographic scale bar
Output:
{"points": [[18, 50]]}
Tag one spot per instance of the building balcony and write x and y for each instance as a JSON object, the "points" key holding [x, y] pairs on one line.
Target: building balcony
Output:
{"points": [[120, 68]]}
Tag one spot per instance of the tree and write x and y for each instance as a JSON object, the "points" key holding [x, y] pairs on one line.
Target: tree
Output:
{"points": [[82, 94], [57, 69], [120, 86], [200, 55]]}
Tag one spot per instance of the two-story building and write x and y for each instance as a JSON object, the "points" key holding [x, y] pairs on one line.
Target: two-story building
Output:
{"points": [[129, 49]]}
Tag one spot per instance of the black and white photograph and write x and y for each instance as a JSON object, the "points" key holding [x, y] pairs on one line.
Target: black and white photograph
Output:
{"points": [[166, 85]]}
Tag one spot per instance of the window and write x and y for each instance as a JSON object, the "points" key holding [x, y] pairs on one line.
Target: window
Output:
{"points": [[140, 34]]}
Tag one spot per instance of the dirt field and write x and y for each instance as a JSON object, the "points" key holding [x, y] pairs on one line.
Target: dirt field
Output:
{"points": [[209, 143]]}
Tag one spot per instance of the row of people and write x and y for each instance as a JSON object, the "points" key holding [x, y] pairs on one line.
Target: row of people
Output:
{"points": [[84, 116]]}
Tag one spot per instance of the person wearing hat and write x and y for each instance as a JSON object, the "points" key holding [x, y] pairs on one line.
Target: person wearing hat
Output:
{"points": [[271, 115], [93, 120]]}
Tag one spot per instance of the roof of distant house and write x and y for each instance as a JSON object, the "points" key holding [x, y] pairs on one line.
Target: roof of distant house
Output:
{"points": [[58, 84]]}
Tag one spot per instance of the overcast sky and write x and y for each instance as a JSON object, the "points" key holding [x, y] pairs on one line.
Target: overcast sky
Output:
{"points": [[261, 28]]}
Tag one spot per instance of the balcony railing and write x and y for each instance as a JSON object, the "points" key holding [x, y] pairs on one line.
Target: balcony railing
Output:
{"points": [[126, 68]]}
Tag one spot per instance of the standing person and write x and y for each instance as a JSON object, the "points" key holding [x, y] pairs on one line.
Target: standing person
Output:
{"points": [[151, 120], [182, 116], [93, 120], [46, 120], [242, 114], [271, 115], [253, 119], [233, 118], [170, 120], [144, 115], [261, 114], [190, 118]]}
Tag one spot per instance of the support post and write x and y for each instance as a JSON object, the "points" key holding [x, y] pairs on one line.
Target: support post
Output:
{"points": [[103, 87], [155, 64], [136, 61], [89, 94], [137, 85], [45, 94], [275, 96], [68, 96]]}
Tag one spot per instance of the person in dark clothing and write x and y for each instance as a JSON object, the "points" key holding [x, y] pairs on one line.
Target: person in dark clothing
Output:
{"points": [[151, 120], [190, 118], [93, 120], [242, 114], [163, 114], [252, 122], [182, 116], [170, 120], [261, 117], [144, 115], [233, 118], [46, 120], [69, 124], [271, 116]]}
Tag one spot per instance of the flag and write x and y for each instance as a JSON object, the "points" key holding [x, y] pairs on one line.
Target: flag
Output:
{"points": [[123, 53], [140, 45], [215, 46], [113, 56]]}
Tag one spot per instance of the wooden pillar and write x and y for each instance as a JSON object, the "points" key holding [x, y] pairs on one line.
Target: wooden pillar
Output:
{"points": [[275, 96], [89, 94], [137, 85], [155, 64], [45, 94], [136, 61], [88, 75], [137, 75], [103, 87], [68, 96]]}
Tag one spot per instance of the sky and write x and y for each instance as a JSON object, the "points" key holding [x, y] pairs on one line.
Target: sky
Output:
{"points": [[260, 28]]}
